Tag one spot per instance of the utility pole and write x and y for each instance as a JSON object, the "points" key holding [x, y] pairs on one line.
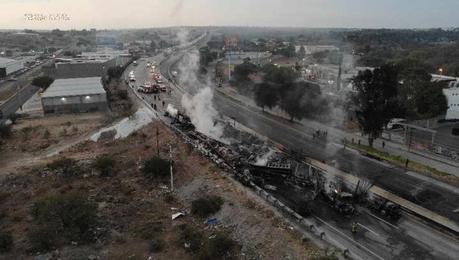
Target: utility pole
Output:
{"points": [[157, 142], [170, 165], [340, 68]]}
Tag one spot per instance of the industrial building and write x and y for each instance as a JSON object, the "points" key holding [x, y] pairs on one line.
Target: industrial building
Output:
{"points": [[452, 97], [74, 95], [9, 66], [86, 64]]}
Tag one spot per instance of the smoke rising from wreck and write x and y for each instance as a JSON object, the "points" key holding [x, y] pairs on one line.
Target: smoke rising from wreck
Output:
{"points": [[198, 100]]}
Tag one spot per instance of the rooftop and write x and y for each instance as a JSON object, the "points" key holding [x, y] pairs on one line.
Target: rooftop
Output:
{"points": [[74, 87], [99, 56], [4, 61]]}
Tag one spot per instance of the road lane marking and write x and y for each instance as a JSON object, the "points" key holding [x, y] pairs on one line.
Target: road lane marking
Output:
{"points": [[359, 245], [365, 227], [392, 225]]}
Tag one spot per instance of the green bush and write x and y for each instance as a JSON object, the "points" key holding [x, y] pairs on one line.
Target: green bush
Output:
{"points": [[5, 131], [46, 134], [190, 235], [155, 168], [67, 167], [6, 241], [156, 245], [43, 237], [42, 82], [104, 164], [222, 246], [203, 207], [151, 230], [67, 217]]}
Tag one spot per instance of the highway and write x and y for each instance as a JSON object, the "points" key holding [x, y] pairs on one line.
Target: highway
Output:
{"points": [[26, 90], [298, 137], [410, 238]]}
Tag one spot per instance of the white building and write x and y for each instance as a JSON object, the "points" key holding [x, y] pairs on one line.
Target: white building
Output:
{"points": [[452, 96], [74, 95], [8, 66]]}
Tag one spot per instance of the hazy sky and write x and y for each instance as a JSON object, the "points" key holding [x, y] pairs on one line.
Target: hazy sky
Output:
{"points": [[299, 13]]}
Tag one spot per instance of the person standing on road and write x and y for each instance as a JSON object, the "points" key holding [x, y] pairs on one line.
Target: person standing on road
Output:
{"points": [[354, 227]]}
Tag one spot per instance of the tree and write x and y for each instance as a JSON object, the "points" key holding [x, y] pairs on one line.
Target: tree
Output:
{"points": [[115, 72], [155, 168], [242, 71], [206, 56], [302, 52], [303, 99], [266, 95], [288, 51], [279, 75], [5, 131], [419, 97], [163, 44], [376, 99], [430, 100], [42, 82]]}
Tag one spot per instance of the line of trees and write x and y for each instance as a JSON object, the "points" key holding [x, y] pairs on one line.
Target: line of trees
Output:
{"points": [[298, 99], [42, 82]]}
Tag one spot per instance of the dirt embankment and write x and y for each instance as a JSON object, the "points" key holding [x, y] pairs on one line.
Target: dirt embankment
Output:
{"points": [[132, 210]]}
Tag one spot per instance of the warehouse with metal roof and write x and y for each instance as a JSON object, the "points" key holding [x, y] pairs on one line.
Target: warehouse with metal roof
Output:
{"points": [[9, 66], [74, 95]]}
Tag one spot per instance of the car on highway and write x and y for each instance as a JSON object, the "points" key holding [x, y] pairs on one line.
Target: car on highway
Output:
{"points": [[162, 87], [151, 89]]}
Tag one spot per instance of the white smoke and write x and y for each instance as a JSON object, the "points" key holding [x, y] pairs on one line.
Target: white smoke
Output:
{"points": [[197, 103], [183, 36], [172, 110], [202, 113], [262, 160]]}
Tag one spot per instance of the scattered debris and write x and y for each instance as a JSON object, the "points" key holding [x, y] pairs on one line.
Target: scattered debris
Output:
{"points": [[177, 215]]}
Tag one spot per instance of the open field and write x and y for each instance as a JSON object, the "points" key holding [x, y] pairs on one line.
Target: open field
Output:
{"points": [[129, 206]]}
